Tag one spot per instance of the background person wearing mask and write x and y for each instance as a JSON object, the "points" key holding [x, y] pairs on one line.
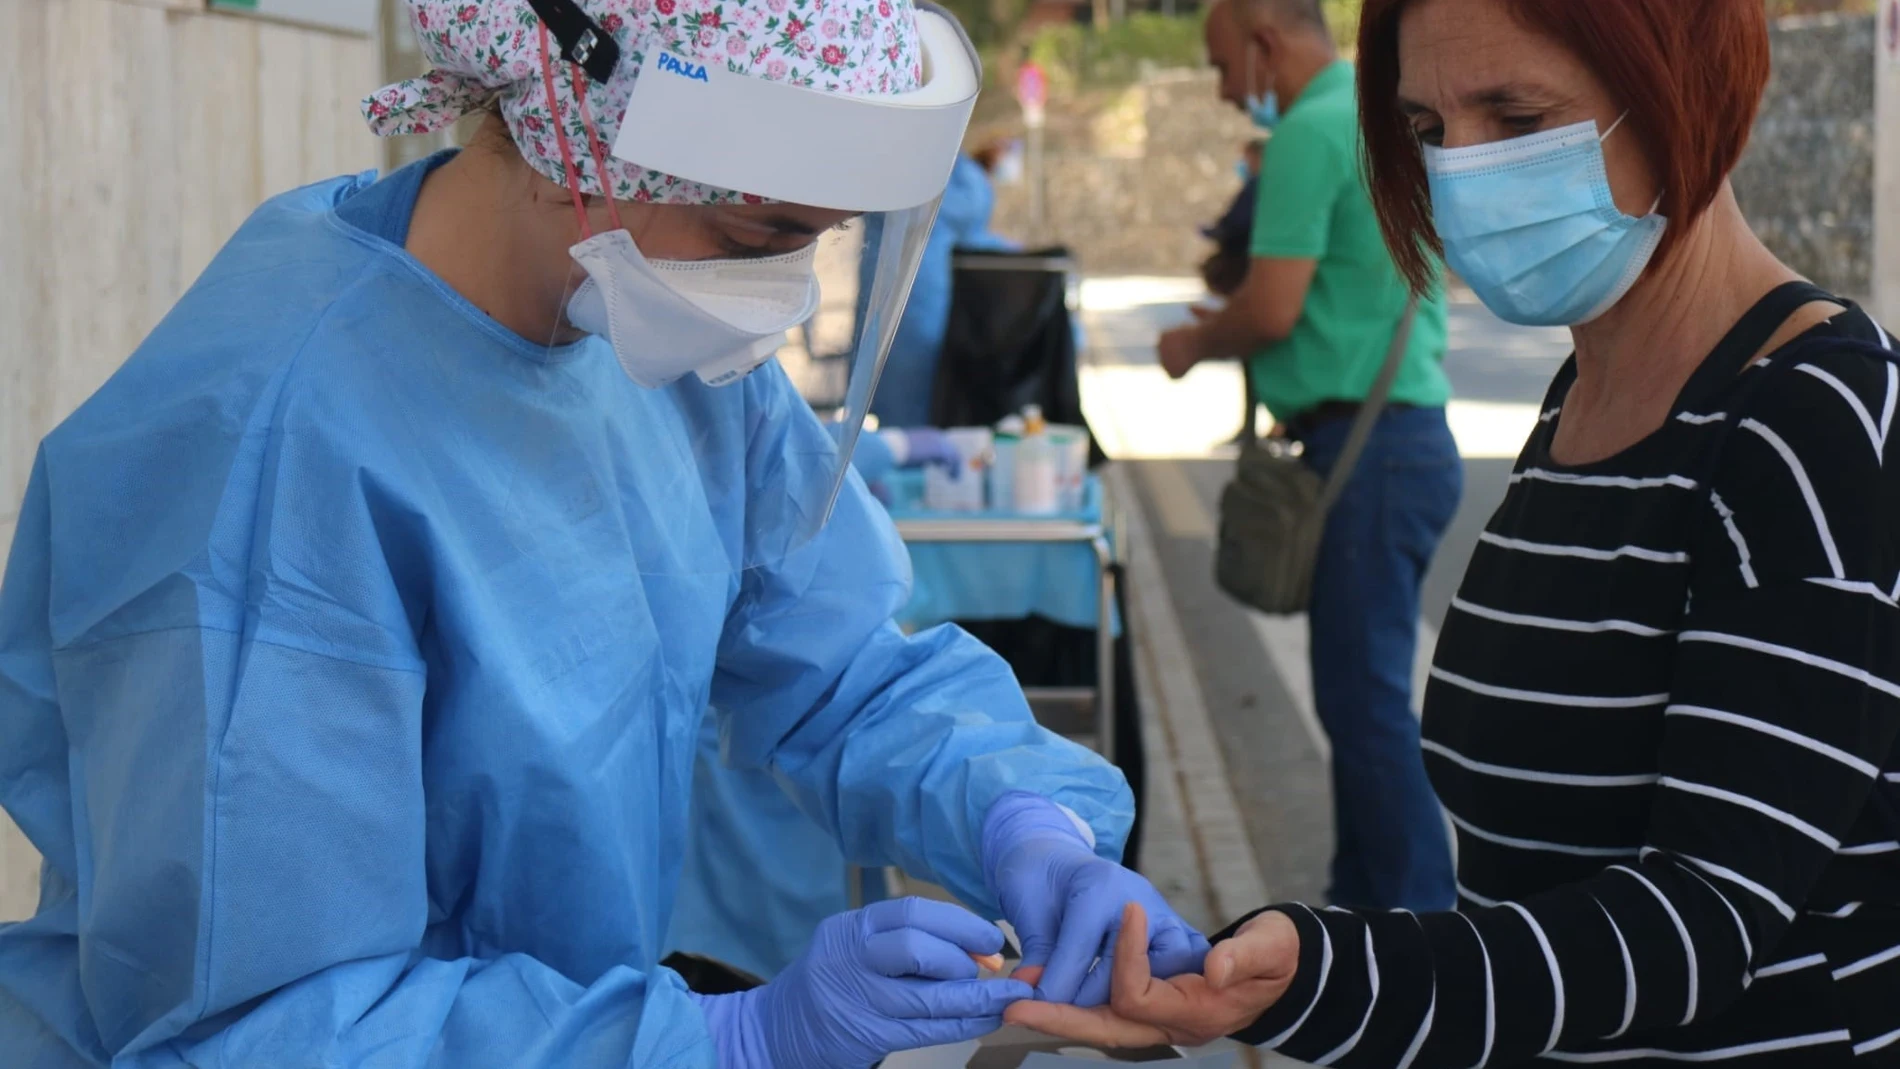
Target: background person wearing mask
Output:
{"points": [[1315, 318], [1665, 712], [357, 635]]}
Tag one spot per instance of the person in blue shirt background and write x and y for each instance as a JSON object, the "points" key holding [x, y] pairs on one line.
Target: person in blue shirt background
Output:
{"points": [[904, 392]]}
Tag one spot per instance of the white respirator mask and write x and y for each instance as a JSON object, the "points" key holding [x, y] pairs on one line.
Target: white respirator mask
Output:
{"points": [[884, 158], [718, 319]]}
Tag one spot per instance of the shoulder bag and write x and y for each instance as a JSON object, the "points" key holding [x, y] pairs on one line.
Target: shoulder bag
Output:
{"points": [[1273, 512]]}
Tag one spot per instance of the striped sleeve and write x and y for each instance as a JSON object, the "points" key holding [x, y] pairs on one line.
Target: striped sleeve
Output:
{"points": [[1784, 707]]}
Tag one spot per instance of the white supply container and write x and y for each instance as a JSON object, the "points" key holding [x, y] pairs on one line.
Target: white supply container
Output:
{"points": [[1071, 448], [974, 443], [1009, 437], [1036, 489], [964, 490]]}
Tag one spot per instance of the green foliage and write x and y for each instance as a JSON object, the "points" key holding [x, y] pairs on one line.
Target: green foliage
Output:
{"points": [[1081, 57], [1780, 8], [1342, 17], [1086, 57], [990, 23], [1111, 56]]}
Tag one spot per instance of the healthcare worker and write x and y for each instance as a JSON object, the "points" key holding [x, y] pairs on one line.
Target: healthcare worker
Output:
{"points": [[357, 633]]}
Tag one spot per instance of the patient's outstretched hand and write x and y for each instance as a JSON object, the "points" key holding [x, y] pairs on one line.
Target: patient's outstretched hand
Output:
{"points": [[1244, 977]]}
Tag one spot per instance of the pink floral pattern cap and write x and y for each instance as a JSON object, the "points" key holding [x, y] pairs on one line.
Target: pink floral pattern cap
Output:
{"points": [[481, 50]]}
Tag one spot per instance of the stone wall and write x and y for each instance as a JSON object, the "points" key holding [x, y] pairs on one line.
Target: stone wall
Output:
{"points": [[1132, 175], [1886, 290], [1807, 182]]}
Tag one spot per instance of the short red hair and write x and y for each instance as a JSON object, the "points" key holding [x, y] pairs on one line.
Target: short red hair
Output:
{"points": [[1691, 73]]}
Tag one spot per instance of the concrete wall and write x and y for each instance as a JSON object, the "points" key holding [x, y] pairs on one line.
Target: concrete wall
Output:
{"points": [[1886, 293], [137, 135], [1807, 182], [1131, 176]]}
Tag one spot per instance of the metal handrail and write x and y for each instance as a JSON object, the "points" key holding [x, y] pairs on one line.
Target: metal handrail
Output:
{"points": [[1000, 530], [984, 261]]}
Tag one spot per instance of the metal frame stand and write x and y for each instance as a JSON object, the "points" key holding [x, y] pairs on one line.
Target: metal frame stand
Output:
{"points": [[1019, 530]]}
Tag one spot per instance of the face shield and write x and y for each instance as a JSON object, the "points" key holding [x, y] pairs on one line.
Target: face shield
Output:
{"points": [[877, 164]]}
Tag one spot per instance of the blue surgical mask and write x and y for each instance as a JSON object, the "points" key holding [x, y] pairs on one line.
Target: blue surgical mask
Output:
{"points": [[1531, 226], [1241, 169], [1264, 111]]}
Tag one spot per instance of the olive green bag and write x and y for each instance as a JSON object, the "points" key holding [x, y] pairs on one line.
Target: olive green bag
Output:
{"points": [[1274, 511]]}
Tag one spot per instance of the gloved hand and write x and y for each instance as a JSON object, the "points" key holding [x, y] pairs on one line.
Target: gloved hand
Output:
{"points": [[893, 976], [1066, 902], [915, 447]]}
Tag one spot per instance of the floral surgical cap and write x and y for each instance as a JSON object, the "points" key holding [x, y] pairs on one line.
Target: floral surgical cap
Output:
{"points": [[490, 50]]}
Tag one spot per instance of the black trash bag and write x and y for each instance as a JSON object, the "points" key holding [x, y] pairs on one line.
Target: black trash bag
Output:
{"points": [[1010, 342]]}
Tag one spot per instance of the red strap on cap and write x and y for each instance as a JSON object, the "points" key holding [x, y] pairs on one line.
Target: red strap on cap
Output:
{"points": [[594, 142], [560, 135]]}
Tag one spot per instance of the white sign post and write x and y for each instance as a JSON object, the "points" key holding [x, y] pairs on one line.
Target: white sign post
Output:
{"points": [[1032, 92]]}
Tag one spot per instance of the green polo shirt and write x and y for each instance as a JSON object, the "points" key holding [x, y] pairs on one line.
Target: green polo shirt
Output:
{"points": [[1314, 206]]}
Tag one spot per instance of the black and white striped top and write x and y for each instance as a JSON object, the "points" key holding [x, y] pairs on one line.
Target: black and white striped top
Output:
{"points": [[1663, 720]]}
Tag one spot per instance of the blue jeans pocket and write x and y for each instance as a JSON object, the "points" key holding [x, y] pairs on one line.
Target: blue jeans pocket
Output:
{"points": [[1420, 500]]}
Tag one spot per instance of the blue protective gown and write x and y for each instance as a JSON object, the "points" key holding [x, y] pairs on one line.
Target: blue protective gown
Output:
{"points": [[353, 653], [910, 372], [759, 873]]}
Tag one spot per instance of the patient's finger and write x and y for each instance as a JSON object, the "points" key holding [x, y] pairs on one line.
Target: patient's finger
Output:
{"points": [[1132, 975], [1267, 948]]}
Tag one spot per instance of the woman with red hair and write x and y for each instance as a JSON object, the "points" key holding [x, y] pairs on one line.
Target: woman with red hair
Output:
{"points": [[1664, 710]]}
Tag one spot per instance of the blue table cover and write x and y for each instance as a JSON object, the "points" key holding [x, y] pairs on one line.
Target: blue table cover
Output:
{"points": [[998, 580]]}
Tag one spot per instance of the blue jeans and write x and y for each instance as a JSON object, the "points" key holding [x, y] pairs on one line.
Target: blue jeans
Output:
{"points": [[1392, 850]]}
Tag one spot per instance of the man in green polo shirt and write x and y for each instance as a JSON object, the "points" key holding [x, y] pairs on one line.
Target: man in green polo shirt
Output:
{"points": [[1313, 322]]}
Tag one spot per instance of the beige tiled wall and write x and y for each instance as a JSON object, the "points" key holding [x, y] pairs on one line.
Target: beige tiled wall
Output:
{"points": [[135, 136]]}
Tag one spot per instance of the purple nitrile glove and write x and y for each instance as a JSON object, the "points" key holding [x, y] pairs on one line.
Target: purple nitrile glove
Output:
{"points": [[897, 975], [915, 447], [1066, 901]]}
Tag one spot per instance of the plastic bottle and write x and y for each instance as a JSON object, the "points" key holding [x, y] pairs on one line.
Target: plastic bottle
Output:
{"points": [[1009, 436], [1038, 491], [1070, 447]]}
